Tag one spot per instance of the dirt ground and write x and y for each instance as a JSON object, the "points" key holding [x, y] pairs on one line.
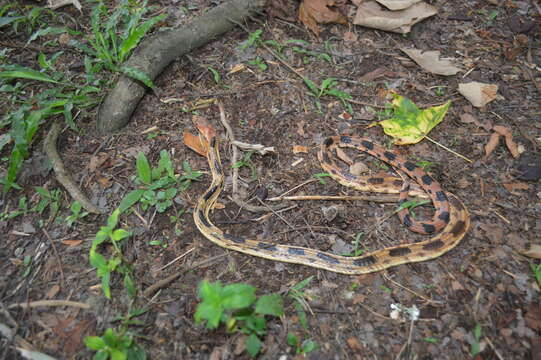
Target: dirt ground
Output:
{"points": [[485, 281]]}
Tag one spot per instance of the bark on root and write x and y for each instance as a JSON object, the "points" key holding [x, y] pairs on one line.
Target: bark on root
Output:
{"points": [[155, 53]]}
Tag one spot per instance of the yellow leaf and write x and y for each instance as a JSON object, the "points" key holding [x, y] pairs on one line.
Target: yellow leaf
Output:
{"points": [[409, 124]]}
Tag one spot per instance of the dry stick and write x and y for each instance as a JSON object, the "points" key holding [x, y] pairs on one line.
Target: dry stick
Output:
{"points": [[446, 148], [408, 343], [57, 257], [62, 175], [153, 288], [494, 348], [411, 291], [50, 303], [234, 158]]}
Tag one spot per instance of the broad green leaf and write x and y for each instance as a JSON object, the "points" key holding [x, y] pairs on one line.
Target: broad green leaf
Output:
{"points": [[130, 199], [210, 313], [101, 355], [112, 220], [120, 234], [26, 73], [238, 296], [136, 35], [97, 260], [6, 20], [94, 342], [137, 75], [253, 345], [129, 284], [300, 285], [309, 346], [409, 124], [136, 352], [292, 339], [311, 86], [105, 279], [143, 168], [271, 304], [119, 354]]}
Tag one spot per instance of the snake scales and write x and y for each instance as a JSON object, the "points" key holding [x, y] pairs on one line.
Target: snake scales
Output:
{"points": [[451, 216]]}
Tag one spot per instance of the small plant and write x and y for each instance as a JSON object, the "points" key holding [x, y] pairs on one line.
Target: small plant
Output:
{"points": [[356, 244], [48, 198], [118, 345], [301, 348], [22, 209], [308, 54], [476, 343], [237, 307], [320, 176], [114, 39], [327, 88], [426, 165], [27, 263], [536, 270], [431, 340], [246, 161], [300, 300], [158, 186], [76, 214], [253, 39], [105, 267], [260, 63], [217, 77]]}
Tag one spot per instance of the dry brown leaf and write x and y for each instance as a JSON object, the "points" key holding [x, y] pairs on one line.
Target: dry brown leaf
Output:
{"points": [[491, 145], [431, 61], [72, 242], [509, 142], [397, 4], [533, 251], [479, 94], [300, 149], [513, 187], [218, 205], [372, 15], [373, 75], [354, 344], [313, 12], [196, 143], [55, 289]]}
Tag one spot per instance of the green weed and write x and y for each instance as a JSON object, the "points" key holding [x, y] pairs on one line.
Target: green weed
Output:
{"points": [[536, 270], [327, 88], [247, 162], [300, 300], [158, 186], [320, 176], [260, 63], [76, 214], [50, 199], [356, 244], [475, 345], [238, 309], [105, 267], [301, 348]]}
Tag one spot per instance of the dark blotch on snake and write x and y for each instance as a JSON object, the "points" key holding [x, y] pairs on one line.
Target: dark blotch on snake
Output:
{"points": [[397, 182], [428, 228], [212, 142], [427, 180], [209, 193], [407, 221], [444, 216], [327, 258], [389, 155], [440, 195], [367, 144], [409, 165], [376, 180], [345, 139], [399, 251], [458, 228], [325, 157], [365, 261], [202, 218], [235, 239], [295, 251], [456, 203], [217, 166], [348, 175], [267, 246], [328, 142], [433, 245]]}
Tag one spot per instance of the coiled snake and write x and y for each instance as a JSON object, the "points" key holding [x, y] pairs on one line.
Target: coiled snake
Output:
{"points": [[451, 215]]}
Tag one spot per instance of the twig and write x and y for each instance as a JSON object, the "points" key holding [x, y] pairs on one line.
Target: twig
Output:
{"points": [[494, 348], [446, 148], [50, 303], [164, 282], [61, 173], [176, 259], [234, 158], [411, 291], [57, 257], [408, 343]]}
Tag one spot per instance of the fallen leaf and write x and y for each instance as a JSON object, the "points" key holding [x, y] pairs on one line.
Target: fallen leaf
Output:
{"points": [[468, 118], [52, 292], [313, 12], [509, 142], [397, 4], [354, 344], [72, 242], [431, 62], [491, 145], [373, 75], [300, 149], [514, 186], [532, 250], [300, 128], [409, 124], [237, 68], [479, 94], [372, 15], [196, 143]]}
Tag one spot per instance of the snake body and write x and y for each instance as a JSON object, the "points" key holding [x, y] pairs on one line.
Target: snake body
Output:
{"points": [[451, 215]]}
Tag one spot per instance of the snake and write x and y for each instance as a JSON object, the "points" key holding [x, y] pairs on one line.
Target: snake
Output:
{"points": [[449, 225]]}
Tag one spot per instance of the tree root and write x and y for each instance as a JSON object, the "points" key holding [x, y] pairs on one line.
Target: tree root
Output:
{"points": [[155, 53], [61, 173]]}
